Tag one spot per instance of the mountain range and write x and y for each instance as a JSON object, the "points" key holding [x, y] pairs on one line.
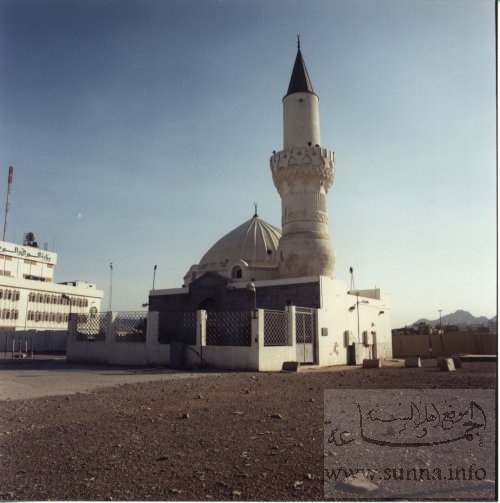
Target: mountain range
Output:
{"points": [[459, 317]]}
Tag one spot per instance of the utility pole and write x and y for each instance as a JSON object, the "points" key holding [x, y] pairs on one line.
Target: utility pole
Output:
{"points": [[110, 285]]}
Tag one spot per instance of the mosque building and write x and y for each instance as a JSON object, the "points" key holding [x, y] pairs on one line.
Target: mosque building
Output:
{"points": [[260, 267]]}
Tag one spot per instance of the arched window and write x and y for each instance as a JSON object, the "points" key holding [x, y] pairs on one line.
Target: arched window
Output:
{"points": [[236, 272]]}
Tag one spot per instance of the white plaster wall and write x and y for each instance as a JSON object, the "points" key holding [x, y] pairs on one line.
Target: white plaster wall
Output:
{"points": [[332, 349], [223, 357], [374, 316], [337, 318], [301, 120]]}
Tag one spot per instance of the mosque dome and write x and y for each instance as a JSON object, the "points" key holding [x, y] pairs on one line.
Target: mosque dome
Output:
{"points": [[246, 253]]}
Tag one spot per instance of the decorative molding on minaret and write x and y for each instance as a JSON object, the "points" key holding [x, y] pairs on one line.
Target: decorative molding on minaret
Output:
{"points": [[303, 172]]}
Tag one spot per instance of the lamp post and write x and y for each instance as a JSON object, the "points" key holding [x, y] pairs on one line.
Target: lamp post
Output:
{"points": [[251, 288], [154, 275], [110, 284], [440, 322]]}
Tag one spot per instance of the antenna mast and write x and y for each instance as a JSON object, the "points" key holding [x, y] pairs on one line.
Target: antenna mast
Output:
{"points": [[9, 185]]}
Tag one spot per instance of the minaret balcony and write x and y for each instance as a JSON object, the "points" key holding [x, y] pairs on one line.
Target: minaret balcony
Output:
{"points": [[303, 164]]}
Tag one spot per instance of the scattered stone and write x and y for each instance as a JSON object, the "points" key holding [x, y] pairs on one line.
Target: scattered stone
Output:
{"points": [[236, 494], [276, 416], [185, 415], [238, 412], [311, 400], [297, 484], [360, 486], [308, 476], [175, 490], [162, 458]]}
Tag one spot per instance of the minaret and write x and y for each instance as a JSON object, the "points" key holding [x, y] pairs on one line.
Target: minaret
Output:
{"points": [[303, 173]]}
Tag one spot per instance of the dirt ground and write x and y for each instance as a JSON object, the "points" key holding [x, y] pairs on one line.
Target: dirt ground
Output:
{"points": [[235, 436]]}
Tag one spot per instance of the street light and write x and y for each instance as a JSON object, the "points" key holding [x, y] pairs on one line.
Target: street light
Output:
{"points": [[251, 288], [110, 284]]}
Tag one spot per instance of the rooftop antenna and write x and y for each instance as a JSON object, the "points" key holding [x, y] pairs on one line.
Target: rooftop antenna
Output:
{"points": [[9, 185], [351, 271]]}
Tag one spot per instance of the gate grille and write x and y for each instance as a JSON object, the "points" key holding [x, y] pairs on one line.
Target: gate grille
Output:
{"points": [[229, 328], [275, 328], [304, 327]]}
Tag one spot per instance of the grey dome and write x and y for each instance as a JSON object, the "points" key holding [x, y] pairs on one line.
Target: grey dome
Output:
{"points": [[255, 242]]}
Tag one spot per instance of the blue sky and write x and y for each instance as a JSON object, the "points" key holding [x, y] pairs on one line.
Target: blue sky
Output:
{"points": [[140, 132]]}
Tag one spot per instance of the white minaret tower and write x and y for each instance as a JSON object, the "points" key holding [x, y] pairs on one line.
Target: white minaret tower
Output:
{"points": [[303, 173]]}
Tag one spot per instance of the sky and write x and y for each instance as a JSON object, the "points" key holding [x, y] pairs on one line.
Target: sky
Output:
{"points": [[140, 133]]}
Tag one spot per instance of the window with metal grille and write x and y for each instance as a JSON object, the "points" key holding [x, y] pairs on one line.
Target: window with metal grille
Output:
{"points": [[90, 328], [131, 327], [228, 328], [275, 328]]}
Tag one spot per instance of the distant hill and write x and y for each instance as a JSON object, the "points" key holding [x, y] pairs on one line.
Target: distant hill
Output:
{"points": [[459, 317]]}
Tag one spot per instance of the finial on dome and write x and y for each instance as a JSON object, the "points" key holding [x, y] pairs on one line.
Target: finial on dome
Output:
{"points": [[298, 41], [255, 215]]}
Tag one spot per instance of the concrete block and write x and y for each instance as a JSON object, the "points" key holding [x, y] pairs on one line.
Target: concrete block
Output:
{"points": [[446, 364], [290, 367], [413, 361], [374, 363]]}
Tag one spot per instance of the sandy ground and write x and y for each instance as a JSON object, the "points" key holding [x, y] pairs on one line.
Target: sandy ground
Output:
{"points": [[99, 433]]}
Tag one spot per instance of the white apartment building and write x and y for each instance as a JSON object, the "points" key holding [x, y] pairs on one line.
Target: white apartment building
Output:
{"points": [[29, 298]]}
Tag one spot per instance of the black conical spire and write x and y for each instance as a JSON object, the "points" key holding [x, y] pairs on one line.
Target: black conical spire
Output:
{"points": [[299, 81]]}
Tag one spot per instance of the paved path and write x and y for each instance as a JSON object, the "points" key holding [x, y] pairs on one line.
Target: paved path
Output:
{"points": [[48, 376], [22, 379]]}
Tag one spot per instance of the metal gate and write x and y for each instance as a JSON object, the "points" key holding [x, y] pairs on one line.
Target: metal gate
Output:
{"points": [[305, 334]]}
